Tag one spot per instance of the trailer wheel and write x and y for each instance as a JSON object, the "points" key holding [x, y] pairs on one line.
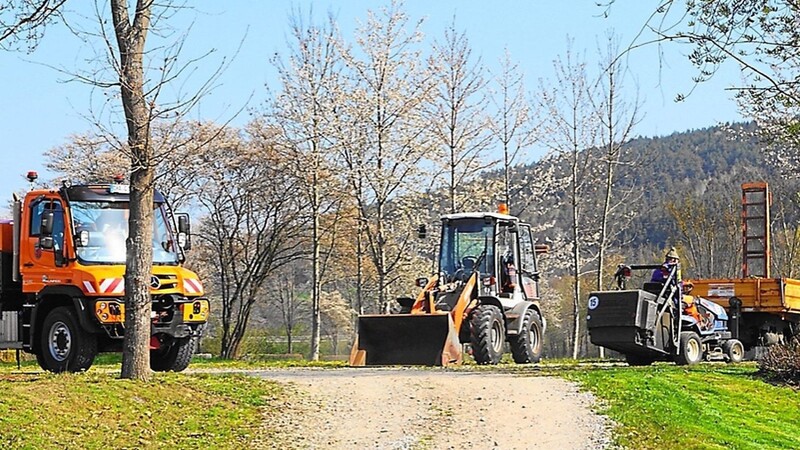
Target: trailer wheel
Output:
{"points": [[63, 345], [526, 347], [174, 355], [487, 334], [691, 349], [638, 360], [734, 350]]}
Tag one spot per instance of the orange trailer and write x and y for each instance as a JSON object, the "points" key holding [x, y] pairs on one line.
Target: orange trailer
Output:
{"points": [[766, 309]]}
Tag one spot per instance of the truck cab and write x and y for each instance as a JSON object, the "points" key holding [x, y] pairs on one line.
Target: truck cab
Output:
{"points": [[62, 278]]}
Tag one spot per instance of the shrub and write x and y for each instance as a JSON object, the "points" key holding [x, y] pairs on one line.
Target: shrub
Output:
{"points": [[781, 362]]}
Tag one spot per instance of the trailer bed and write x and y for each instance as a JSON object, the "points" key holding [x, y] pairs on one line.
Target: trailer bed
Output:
{"points": [[767, 295]]}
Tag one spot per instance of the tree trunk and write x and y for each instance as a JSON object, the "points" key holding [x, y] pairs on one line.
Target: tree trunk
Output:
{"points": [[316, 289], [130, 40], [576, 266]]}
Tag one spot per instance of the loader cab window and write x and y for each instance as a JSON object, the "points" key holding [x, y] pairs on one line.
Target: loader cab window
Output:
{"points": [[463, 243], [508, 257], [528, 254]]}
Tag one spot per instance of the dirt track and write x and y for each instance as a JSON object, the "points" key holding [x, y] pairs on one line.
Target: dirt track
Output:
{"points": [[383, 408]]}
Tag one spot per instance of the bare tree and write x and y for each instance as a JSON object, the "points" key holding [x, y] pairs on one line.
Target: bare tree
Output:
{"points": [[710, 231], [337, 318], [383, 131], [513, 125], [24, 21], [570, 128], [131, 34], [287, 301], [617, 119], [303, 111], [253, 225], [459, 119]]}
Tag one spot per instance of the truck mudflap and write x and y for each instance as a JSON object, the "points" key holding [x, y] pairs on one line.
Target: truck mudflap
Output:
{"points": [[406, 339]]}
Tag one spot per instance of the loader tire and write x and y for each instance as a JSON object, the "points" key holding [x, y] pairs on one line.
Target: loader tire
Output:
{"points": [[487, 334], [63, 345], [526, 347], [691, 349], [173, 355], [734, 350]]}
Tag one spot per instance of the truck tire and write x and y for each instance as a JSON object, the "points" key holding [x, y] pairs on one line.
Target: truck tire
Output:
{"points": [[691, 349], [487, 334], [174, 355], [734, 350], [638, 360], [63, 345], [526, 347]]}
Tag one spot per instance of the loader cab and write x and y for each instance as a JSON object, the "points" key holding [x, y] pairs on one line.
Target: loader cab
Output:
{"points": [[495, 245]]}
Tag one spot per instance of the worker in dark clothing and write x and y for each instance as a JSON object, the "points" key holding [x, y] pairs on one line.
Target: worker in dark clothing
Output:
{"points": [[671, 259]]}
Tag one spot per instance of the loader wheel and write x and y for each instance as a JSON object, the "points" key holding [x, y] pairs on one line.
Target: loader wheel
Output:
{"points": [[173, 355], [734, 350], [526, 347], [487, 334], [691, 350], [63, 345]]}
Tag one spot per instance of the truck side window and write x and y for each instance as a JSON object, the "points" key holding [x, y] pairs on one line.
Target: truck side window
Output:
{"points": [[37, 208]]}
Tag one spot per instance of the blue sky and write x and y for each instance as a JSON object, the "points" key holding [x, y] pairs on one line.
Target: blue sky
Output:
{"points": [[40, 109]]}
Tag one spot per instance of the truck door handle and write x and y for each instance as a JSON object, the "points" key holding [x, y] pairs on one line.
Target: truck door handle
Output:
{"points": [[28, 264]]}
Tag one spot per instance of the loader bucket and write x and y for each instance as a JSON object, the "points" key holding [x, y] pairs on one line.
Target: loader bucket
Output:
{"points": [[406, 339]]}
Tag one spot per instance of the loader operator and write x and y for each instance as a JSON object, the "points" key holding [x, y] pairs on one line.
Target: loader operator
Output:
{"points": [[509, 272]]}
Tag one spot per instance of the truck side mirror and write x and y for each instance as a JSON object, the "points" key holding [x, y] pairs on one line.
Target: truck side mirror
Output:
{"points": [[46, 227], [46, 230], [184, 231]]}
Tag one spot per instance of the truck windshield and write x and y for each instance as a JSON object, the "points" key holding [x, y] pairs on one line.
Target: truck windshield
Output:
{"points": [[106, 226], [463, 242]]}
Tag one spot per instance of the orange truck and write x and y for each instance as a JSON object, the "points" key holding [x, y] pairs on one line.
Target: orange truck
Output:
{"points": [[62, 266]]}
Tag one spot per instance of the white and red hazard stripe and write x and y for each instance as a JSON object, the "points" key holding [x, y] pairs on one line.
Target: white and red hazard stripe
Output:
{"points": [[112, 286], [89, 287], [192, 286]]}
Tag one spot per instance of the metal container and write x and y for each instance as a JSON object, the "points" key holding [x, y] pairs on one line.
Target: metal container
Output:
{"points": [[9, 330]]}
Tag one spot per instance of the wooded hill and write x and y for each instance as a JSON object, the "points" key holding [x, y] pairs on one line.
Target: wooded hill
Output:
{"points": [[678, 187]]}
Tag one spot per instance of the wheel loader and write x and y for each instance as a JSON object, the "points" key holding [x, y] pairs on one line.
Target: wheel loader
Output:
{"points": [[485, 293]]}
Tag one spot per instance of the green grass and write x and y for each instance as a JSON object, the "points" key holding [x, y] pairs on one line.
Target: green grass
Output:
{"points": [[99, 410], [709, 406]]}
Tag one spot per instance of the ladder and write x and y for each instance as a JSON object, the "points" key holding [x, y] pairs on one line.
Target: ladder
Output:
{"points": [[756, 200]]}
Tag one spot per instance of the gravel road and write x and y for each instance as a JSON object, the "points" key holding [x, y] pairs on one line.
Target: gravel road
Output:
{"points": [[392, 408]]}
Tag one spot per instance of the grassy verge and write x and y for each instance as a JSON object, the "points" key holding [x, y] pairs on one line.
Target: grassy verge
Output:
{"points": [[99, 410], [710, 406]]}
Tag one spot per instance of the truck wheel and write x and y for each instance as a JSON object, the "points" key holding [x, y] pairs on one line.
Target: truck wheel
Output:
{"points": [[638, 360], [734, 350], [487, 334], [691, 349], [63, 345], [526, 347], [174, 355]]}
